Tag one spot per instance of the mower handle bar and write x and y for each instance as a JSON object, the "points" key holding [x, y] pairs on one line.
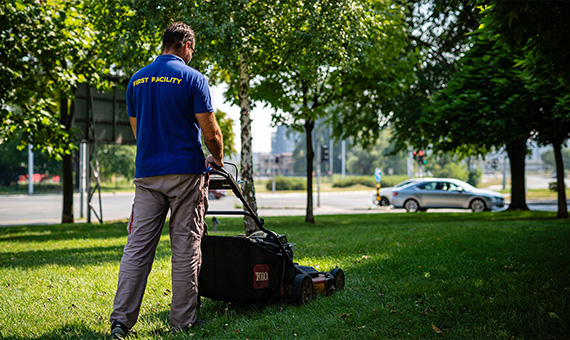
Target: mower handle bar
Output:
{"points": [[229, 179]]}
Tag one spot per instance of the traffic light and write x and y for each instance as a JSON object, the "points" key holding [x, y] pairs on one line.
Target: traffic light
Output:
{"points": [[324, 153], [419, 157]]}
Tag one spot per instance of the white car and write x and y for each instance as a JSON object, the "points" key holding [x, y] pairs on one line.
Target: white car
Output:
{"points": [[386, 193], [445, 193]]}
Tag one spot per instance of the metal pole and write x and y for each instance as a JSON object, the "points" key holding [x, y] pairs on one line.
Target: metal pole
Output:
{"points": [[410, 164], [273, 174], [30, 169], [82, 178], [343, 156], [318, 176], [331, 169], [504, 173]]}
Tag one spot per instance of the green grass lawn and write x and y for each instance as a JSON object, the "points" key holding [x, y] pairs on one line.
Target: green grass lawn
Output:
{"points": [[490, 275]]}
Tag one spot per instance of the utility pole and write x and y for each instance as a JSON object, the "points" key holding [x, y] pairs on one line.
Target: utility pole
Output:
{"points": [[319, 176], [30, 169], [343, 155]]}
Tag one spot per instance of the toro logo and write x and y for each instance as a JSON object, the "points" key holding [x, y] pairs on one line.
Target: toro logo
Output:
{"points": [[260, 276]]}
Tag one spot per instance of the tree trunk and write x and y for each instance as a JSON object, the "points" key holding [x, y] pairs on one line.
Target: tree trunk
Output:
{"points": [[309, 126], [560, 187], [67, 168], [517, 153], [246, 139]]}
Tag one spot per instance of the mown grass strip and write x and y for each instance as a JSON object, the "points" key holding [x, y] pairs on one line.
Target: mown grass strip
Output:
{"points": [[488, 275]]}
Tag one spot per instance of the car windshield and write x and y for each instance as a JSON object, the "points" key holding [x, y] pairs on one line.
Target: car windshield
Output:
{"points": [[465, 186], [404, 183]]}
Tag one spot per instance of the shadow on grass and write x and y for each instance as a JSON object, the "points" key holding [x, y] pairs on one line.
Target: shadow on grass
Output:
{"points": [[214, 313], [63, 232], [75, 257], [66, 331]]}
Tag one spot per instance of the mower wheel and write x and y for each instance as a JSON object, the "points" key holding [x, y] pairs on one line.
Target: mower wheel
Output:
{"points": [[302, 290], [338, 276]]}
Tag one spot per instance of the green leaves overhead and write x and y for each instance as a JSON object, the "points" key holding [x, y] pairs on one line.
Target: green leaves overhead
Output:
{"points": [[47, 50], [344, 53]]}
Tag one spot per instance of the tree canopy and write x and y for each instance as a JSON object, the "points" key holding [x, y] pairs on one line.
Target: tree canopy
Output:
{"points": [[347, 54], [47, 50], [539, 28]]}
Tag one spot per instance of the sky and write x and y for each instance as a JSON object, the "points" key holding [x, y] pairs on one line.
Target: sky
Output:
{"points": [[261, 121]]}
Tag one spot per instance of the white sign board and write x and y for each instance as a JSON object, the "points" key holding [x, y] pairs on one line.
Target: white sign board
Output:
{"points": [[378, 174]]}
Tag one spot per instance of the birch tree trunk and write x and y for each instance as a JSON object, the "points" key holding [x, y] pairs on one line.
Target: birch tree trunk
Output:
{"points": [[246, 139]]}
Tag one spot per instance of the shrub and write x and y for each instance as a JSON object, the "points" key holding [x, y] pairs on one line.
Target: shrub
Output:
{"points": [[369, 181], [287, 183]]}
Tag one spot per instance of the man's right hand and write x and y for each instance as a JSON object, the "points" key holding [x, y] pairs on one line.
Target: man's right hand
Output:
{"points": [[211, 160]]}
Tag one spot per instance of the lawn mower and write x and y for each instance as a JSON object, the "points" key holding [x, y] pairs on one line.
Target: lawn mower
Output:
{"points": [[258, 267]]}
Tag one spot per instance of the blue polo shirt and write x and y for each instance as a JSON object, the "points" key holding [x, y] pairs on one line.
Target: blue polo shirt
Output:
{"points": [[165, 97]]}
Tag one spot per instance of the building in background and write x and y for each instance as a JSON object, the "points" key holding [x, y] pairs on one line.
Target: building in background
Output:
{"points": [[282, 140]]}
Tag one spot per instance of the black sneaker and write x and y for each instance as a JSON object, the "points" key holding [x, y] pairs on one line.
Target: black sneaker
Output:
{"points": [[118, 330], [196, 325]]}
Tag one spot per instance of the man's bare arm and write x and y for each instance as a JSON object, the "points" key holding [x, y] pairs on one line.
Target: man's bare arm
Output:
{"points": [[212, 137], [133, 121]]}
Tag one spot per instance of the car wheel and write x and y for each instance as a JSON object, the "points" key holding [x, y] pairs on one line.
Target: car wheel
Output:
{"points": [[411, 206], [211, 196], [384, 202], [477, 205], [302, 290]]}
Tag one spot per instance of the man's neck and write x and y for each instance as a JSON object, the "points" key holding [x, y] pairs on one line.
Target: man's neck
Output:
{"points": [[176, 53]]}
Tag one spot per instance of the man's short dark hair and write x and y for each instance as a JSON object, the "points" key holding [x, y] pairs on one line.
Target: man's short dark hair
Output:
{"points": [[176, 35]]}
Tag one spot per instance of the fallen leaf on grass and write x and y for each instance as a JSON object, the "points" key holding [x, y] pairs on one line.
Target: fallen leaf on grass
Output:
{"points": [[344, 315], [435, 329], [70, 270], [361, 327]]}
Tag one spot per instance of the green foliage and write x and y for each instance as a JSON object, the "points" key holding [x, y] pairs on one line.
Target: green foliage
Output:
{"points": [[14, 162], [382, 155], [483, 106], [540, 28], [548, 158], [227, 126], [447, 165], [287, 183], [369, 181], [116, 160], [465, 274], [349, 181], [449, 170], [47, 50], [319, 71], [438, 31]]}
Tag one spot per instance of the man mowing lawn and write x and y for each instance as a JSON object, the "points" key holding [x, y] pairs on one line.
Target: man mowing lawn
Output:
{"points": [[169, 107]]}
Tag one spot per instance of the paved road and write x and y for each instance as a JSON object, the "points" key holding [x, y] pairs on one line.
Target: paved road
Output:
{"points": [[46, 209]]}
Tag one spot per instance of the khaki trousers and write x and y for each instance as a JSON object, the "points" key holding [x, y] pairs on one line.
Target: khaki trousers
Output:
{"points": [[186, 196]]}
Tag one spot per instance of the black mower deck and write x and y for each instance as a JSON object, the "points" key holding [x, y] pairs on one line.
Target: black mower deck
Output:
{"points": [[258, 267]]}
